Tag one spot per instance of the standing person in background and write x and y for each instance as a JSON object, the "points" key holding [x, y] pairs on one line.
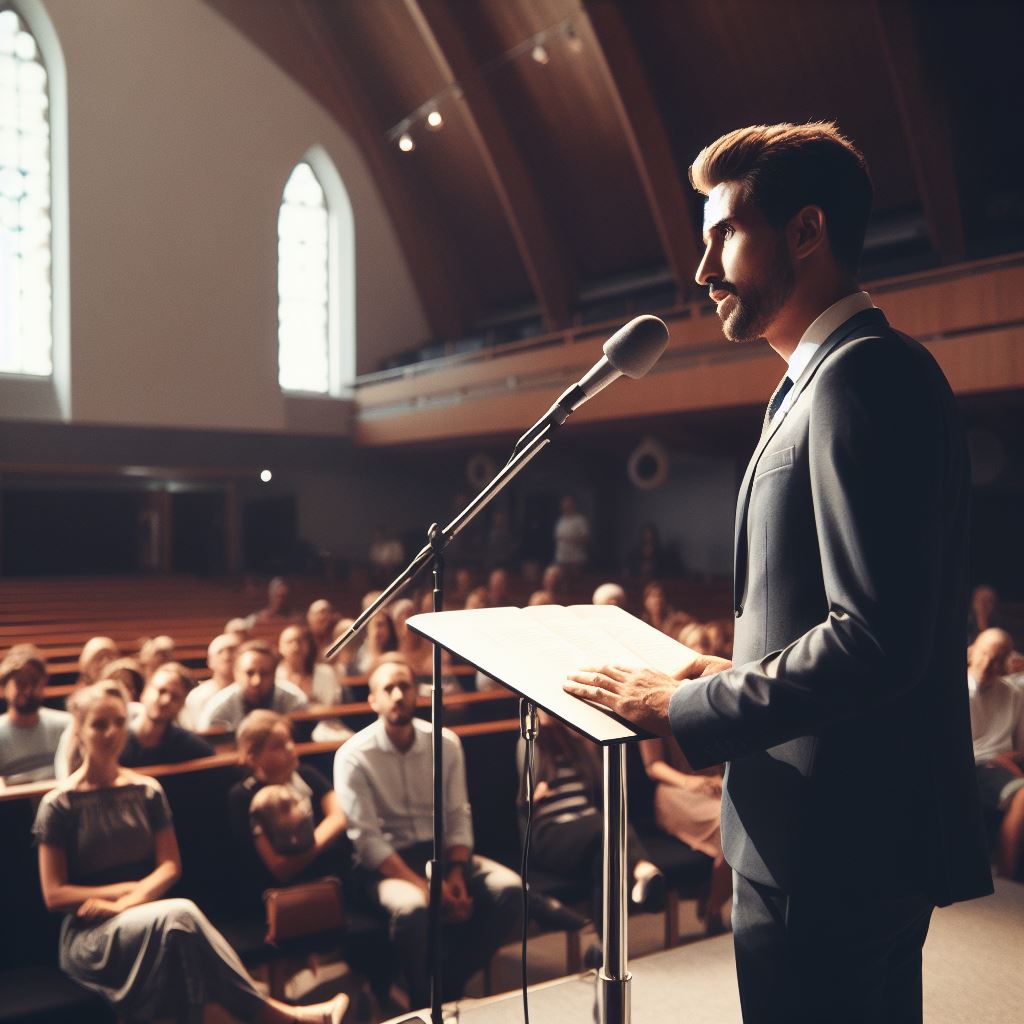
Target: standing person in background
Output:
{"points": [[107, 857], [850, 587]]}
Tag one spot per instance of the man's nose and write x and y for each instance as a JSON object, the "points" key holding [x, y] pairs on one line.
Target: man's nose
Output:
{"points": [[708, 269]]}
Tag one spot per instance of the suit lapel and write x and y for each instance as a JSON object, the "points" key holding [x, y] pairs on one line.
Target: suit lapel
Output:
{"points": [[859, 325]]}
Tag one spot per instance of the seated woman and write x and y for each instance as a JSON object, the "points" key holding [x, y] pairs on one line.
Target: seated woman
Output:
{"points": [[568, 824], [298, 665], [688, 805], [107, 856], [380, 638], [289, 826]]}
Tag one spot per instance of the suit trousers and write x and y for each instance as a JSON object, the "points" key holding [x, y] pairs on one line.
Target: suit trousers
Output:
{"points": [[826, 957]]}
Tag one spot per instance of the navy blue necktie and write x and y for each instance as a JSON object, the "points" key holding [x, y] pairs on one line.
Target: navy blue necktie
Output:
{"points": [[775, 402]]}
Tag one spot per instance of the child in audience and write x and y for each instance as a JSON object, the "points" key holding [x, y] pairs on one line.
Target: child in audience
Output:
{"points": [[285, 817], [107, 857]]}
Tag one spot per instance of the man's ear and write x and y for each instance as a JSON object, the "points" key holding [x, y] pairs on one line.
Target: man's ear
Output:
{"points": [[807, 231]]}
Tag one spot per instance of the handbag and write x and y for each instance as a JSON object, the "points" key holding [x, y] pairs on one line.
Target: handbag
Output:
{"points": [[303, 909]]}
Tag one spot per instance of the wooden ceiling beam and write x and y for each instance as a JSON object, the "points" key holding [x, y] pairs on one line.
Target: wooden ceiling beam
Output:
{"points": [[542, 249], [664, 182], [926, 127], [297, 37]]}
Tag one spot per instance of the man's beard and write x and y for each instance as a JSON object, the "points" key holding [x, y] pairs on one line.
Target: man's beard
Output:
{"points": [[28, 705], [753, 312]]}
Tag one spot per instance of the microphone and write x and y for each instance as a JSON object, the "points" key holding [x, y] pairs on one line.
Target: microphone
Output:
{"points": [[632, 350]]}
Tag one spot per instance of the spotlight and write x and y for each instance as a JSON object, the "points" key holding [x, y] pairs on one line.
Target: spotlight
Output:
{"points": [[406, 143], [266, 476], [540, 54], [435, 121]]}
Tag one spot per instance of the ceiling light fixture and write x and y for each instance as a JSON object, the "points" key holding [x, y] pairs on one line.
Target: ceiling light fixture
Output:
{"points": [[435, 121], [540, 54], [406, 143]]}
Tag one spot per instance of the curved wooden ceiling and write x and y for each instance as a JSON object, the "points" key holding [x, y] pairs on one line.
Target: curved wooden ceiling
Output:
{"points": [[549, 180]]}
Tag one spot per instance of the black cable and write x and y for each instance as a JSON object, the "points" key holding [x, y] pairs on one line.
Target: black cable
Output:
{"points": [[528, 730]]}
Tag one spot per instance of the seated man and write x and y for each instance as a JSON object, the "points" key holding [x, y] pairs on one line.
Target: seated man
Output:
{"points": [[384, 780], [254, 687], [220, 660], [997, 728], [29, 732], [153, 738]]}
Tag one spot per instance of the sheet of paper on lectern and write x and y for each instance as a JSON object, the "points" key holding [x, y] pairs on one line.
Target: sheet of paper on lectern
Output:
{"points": [[533, 650]]}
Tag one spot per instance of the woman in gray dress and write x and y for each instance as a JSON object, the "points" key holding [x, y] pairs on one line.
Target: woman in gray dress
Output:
{"points": [[107, 855]]}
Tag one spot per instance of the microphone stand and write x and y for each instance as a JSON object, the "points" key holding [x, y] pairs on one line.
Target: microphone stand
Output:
{"points": [[432, 554]]}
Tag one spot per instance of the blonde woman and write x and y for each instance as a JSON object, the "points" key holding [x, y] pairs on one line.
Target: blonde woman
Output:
{"points": [[108, 854]]}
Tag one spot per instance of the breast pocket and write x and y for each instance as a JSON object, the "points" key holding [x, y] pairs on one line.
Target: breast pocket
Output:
{"points": [[772, 462]]}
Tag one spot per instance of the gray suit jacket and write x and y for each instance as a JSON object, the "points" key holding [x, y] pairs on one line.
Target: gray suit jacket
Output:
{"points": [[844, 718]]}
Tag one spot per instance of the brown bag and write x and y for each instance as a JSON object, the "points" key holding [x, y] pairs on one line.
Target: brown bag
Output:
{"points": [[304, 909]]}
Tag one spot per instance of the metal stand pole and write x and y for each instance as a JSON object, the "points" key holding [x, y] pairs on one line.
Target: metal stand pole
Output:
{"points": [[614, 978]]}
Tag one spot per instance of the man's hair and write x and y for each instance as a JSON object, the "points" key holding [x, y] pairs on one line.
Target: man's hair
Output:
{"points": [[176, 669], [253, 730], [18, 657], [389, 658], [785, 167], [260, 646]]}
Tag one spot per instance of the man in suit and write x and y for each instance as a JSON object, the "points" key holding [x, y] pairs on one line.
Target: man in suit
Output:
{"points": [[850, 809]]}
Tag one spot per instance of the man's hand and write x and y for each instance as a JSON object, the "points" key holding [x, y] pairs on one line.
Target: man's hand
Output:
{"points": [[639, 695], [456, 903]]}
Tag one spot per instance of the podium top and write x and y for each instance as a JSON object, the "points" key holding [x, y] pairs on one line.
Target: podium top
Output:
{"points": [[533, 650]]}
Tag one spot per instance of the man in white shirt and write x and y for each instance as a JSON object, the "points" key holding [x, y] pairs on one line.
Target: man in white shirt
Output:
{"points": [[220, 660], [997, 729], [383, 778], [254, 687], [29, 732]]}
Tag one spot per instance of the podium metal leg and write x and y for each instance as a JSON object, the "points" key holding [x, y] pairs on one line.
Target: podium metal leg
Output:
{"points": [[614, 977]]}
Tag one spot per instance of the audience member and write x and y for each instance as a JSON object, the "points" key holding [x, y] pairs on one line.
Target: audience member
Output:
{"points": [[128, 672], [344, 662], [688, 805], [657, 611], [320, 618], [541, 597], [698, 637], [298, 666], [568, 825], [649, 559], [498, 595], [478, 597], [383, 777], [997, 728], [254, 687], [984, 612], [107, 856], [29, 732], [462, 583], [380, 637], [278, 609], [153, 738], [153, 653], [96, 655], [610, 593], [265, 747], [220, 660], [553, 581], [239, 629], [416, 649], [572, 537]]}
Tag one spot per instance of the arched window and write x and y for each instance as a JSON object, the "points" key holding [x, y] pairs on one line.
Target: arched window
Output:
{"points": [[26, 203], [315, 280]]}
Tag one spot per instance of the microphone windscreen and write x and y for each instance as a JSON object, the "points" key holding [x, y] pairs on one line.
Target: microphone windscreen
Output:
{"points": [[635, 348]]}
